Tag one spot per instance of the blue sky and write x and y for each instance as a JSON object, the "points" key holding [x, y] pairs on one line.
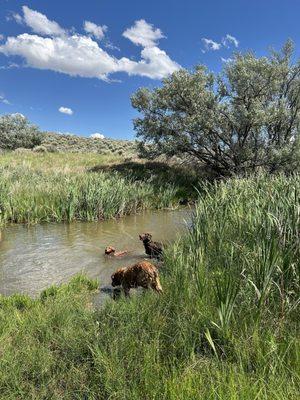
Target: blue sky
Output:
{"points": [[86, 58]]}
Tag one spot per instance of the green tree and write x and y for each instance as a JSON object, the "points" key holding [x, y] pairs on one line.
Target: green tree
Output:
{"points": [[16, 131], [242, 119]]}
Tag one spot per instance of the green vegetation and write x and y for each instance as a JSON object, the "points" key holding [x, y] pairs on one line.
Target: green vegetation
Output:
{"points": [[43, 187], [236, 122], [53, 142], [17, 132], [226, 327]]}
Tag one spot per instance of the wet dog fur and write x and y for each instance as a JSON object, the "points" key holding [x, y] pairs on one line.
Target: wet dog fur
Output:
{"points": [[142, 274], [153, 249], [111, 251]]}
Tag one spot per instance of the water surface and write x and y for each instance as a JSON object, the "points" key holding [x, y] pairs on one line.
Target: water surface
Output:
{"points": [[35, 257]]}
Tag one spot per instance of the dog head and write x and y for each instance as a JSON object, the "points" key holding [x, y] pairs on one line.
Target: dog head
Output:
{"points": [[116, 278], [146, 237], [109, 250]]}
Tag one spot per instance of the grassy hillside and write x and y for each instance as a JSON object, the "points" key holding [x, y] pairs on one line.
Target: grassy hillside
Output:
{"points": [[54, 142], [44, 187], [226, 327]]}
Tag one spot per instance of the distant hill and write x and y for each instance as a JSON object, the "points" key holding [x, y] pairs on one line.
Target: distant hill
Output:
{"points": [[55, 142]]}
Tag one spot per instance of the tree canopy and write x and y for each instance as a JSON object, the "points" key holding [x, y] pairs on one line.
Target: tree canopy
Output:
{"points": [[244, 118]]}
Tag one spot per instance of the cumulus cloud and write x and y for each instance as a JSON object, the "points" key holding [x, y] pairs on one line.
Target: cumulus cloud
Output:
{"points": [[39, 23], [97, 135], [80, 55], [228, 40], [144, 34], [155, 64], [95, 30], [73, 55], [65, 110]]}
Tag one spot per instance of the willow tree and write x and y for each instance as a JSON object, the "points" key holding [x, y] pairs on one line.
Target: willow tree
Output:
{"points": [[242, 119]]}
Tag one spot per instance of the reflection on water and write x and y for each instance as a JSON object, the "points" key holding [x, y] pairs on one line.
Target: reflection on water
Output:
{"points": [[33, 258]]}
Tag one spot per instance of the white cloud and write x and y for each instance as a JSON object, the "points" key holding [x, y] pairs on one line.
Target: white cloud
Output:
{"points": [[65, 110], [228, 40], [10, 66], [80, 55], [4, 100], [155, 64], [109, 45], [95, 30], [97, 136], [144, 34], [73, 55], [39, 23], [1, 37], [17, 17], [209, 44]]}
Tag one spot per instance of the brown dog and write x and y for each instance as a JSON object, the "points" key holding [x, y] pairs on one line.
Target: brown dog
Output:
{"points": [[142, 274], [153, 249], [111, 251]]}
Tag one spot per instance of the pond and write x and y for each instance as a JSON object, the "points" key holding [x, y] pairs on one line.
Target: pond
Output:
{"points": [[35, 257]]}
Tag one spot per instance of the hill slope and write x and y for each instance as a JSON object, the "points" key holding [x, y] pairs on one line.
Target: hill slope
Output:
{"points": [[54, 142]]}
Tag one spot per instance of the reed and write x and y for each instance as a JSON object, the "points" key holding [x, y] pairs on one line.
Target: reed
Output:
{"points": [[64, 187]]}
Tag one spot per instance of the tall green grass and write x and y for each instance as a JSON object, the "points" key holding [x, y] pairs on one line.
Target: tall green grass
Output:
{"points": [[50, 187], [226, 327]]}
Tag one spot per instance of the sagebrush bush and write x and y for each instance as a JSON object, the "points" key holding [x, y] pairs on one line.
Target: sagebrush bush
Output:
{"points": [[17, 132], [40, 149], [235, 122], [80, 144]]}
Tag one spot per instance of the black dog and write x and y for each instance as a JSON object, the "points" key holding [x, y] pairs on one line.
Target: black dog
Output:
{"points": [[153, 249]]}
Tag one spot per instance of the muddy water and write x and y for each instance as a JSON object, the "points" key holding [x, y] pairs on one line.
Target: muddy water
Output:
{"points": [[33, 258]]}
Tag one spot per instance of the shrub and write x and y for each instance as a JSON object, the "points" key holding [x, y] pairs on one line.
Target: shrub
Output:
{"points": [[22, 150], [16, 131], [234, 123], [40, 149]]}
